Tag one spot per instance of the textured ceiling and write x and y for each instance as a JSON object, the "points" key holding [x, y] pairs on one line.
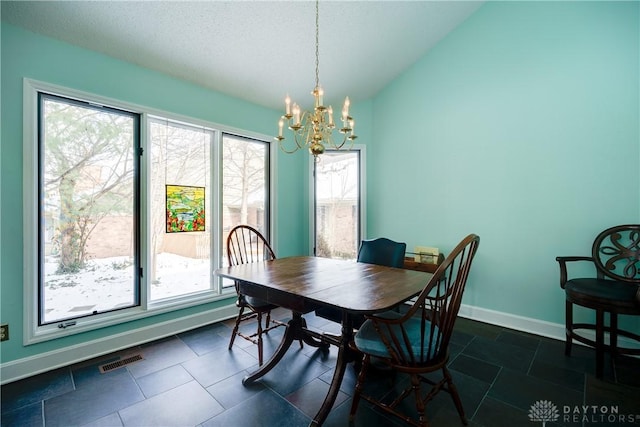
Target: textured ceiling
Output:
{"points": [[255, 50]]}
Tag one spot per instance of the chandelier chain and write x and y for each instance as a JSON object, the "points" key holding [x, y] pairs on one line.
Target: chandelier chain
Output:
{"points": [[317, 45]]}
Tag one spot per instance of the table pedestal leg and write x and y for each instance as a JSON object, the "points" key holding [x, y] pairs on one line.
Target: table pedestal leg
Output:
{"points": [[296, 330], [292, 330], [338, 374]]}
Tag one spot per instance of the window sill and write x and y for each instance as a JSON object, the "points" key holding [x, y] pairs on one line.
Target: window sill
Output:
{"points": [[91, 323]]}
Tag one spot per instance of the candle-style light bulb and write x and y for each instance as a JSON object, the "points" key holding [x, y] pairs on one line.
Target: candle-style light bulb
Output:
{"points": [[280, 125], [330, 112], [347, 103], [287, 105], [296, 114]]}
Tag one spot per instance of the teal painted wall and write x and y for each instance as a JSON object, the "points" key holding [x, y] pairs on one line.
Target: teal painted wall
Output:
{"points": [[522, 126], [25, 54]]}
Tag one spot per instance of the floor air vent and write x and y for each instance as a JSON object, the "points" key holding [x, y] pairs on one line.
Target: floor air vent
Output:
{"points": [[120, 363]]}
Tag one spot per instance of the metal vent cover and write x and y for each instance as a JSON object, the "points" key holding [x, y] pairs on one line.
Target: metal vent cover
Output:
{"points": [[120, 363]]}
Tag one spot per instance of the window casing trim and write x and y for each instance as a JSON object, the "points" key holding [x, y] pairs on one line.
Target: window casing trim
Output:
{"points": [[136, 122], [362, 194], [32, 333]]}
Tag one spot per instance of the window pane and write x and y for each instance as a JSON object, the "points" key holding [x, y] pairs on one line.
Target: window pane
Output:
{"points": [[337, 204], [245, 187], [88, 240], [179, 203]]}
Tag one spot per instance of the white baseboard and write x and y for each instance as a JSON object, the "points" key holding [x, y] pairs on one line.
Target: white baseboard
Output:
{"points": [[28, 366], [513, 321], [529, 325], [32, 365]]}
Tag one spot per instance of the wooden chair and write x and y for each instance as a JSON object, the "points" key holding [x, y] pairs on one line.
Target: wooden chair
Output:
{"points": [[246, 245], [380, 251], [417, 342], [615, 253]]}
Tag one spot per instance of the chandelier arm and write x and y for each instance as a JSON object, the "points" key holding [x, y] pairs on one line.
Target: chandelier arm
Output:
{"points": [[299, 139], [301, 135], [345, 138], [306, 130], [283, 148], [329, 139]]}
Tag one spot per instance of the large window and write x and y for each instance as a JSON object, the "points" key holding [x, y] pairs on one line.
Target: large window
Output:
{"points": [[180, 212], [245, 187], [338, 203], [245, 183], [127, 210], [88, 185]]}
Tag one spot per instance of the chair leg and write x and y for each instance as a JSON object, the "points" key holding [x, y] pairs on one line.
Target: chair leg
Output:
{"points": [[453, 391], [259, 333], [415, 386], [613, 336], [568, 319], [359, 383], [613, 339], [236, 327], [599, 343]]}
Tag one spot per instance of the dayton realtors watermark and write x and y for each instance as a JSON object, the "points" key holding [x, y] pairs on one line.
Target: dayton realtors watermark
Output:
{"points": [[596, 414], [546, 411]]}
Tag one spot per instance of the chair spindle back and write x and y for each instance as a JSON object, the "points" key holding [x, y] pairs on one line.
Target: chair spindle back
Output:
{"points": [[434, 312], [246, 245]]}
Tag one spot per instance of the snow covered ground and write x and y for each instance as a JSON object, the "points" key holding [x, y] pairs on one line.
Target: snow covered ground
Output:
{"points": [[108, 283]]}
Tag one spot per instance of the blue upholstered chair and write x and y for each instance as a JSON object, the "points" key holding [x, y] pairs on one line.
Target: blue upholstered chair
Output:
{"points": [[417, 342], [380, 251]]}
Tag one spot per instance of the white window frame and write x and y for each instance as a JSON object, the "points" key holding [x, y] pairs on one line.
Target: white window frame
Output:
{"points": [[33, 333], [362, 191]]}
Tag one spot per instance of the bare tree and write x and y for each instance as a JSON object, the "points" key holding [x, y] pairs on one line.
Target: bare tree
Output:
{"points": [[88, 173], [244, 175]]}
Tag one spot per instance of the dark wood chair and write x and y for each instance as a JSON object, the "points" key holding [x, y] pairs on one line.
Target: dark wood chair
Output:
{"points": [[615, 290], [246, 245], [417, 342], [380, 251]]}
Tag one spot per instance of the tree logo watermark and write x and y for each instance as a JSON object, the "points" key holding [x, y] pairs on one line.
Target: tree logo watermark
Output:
{"points": [[543, 410]]}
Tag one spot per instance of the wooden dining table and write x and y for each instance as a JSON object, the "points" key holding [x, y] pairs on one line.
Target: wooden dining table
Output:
{"points": [[304, 283]]}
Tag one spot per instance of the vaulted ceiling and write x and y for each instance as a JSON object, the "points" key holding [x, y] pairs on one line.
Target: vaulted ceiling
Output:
{"points": [[254, 50]]}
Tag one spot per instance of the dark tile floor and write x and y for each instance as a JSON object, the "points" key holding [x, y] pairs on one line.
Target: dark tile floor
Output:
{"points": [[193, 380]]}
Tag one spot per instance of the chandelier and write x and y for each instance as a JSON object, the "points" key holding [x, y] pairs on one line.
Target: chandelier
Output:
{"points": [[314, 129]]}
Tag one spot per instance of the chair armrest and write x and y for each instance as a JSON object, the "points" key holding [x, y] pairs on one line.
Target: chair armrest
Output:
{"points": [[563, 260]]}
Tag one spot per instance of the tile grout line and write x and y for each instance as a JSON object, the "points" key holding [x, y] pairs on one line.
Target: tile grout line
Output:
{"points": [[486, 394], [535, 354], [488, 388]]}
